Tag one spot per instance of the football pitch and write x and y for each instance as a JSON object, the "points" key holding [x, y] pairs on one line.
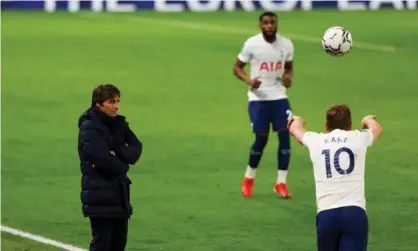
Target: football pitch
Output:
{"points": [[181, 98]]}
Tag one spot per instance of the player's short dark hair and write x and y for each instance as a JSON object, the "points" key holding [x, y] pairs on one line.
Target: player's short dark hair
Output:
{"points": [[267, 14], [338, 117], [104, 92]]}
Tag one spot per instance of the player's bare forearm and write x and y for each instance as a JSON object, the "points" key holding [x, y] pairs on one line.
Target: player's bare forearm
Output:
{"points": [[288, 68], [297, 132], [288, 74], [369, 122], [240, 73], [296, 128]]}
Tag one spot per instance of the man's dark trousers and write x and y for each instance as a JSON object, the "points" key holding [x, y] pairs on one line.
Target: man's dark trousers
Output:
{"points": [[109, 234]]}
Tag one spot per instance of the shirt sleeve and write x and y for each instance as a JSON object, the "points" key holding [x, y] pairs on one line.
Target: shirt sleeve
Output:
{"points": [[309, 138], [245, 54], [366, 136], [291, 50]]}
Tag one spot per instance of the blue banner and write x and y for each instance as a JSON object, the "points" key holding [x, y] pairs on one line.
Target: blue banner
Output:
{"points": [[204, 6]]}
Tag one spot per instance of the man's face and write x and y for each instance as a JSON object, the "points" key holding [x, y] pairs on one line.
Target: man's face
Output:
{"points": [[110, 107], [268, 26]]}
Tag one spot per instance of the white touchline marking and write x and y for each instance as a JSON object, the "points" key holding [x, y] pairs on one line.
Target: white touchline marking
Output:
{"points": [[40, 239]]}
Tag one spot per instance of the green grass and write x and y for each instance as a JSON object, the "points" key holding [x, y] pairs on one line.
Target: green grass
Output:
{"points": [[180, 96], [14, 243]]}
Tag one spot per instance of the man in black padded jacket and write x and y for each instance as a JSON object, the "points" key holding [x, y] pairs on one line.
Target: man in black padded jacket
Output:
{"points": [[106, 147]]}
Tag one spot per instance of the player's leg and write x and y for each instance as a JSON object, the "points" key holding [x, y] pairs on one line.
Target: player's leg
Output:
{"points": [[260, 125], [256, 152], [281, 113], [356, 228], [328, 230]]}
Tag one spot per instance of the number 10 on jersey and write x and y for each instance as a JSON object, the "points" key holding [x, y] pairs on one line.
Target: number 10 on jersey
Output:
{"points": [[336, 161]]}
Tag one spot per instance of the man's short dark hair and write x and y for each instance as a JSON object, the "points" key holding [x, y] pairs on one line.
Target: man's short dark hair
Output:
{"points": [[104, 92], [339, 117], [267, 14]]}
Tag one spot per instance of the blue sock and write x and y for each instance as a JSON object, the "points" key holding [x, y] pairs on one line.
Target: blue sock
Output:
{"points": [[283, 153], [257, 150]]}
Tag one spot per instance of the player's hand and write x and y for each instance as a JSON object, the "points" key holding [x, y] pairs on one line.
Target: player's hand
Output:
{"points": [[373, 117], [290, 122], [113, 153], [367, 118], [254, 83], [295, 119], [287, 79]]}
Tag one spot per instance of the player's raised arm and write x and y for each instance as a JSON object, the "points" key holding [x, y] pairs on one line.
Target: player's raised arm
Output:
{"points": [[296, 128], [369, 122]]}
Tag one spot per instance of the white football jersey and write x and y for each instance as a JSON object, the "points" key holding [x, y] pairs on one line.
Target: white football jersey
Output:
{"points": [[338, 160], [267, 61]]}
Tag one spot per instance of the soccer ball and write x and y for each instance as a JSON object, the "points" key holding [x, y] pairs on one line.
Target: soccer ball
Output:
{"points": [[337, 41]]}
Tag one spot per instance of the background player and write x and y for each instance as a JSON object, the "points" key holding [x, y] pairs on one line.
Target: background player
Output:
{"points": [[271, 59], [338, 158]]}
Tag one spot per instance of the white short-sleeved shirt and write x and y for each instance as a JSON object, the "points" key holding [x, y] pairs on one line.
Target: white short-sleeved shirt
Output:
{"points": [[338, 160], [267, 61]]}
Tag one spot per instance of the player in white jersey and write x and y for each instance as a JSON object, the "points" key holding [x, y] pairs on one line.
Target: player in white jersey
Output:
{"points": [[338, 158], [271, 59]]}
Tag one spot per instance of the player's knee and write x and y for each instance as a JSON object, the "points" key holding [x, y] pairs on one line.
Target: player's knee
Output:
{"points": [[259, 143]]}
